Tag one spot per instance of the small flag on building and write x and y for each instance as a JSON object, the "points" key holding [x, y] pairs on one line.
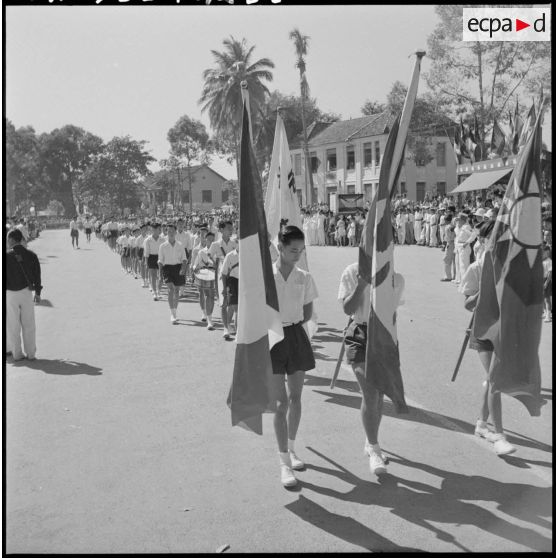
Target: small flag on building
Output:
{"points": [[498, 141], [511, 294], [259, 324]]}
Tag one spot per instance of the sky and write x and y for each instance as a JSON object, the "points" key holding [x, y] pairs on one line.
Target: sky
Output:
{"points": [[135, 70]]}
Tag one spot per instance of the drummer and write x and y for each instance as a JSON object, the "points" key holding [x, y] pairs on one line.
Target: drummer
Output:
{"points": [[172, 266], [218, 251], [206, 285]]}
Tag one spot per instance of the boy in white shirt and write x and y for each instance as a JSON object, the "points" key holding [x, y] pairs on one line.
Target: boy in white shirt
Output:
{"points": [[229, 276], [218, 251], [172, 266], [151, 255], [292, 356]]}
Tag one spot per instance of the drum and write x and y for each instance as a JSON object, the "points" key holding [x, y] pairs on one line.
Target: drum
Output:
{"points": [[205, 278]]}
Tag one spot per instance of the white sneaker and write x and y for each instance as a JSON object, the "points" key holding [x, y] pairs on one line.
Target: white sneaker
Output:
{"points": [[501, 445], [296, 463], [210, 325], [377, 464], [155, 296], [483, 431], [368, 450], [287, 476]]}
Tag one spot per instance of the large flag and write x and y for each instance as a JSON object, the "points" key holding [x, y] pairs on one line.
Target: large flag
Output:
{"points": [[457, 145], [498, 141], [511, 295], [383, 368], [462, 145], [281, 201], [259, 324]]}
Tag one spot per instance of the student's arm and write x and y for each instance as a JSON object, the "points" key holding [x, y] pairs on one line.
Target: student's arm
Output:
{"points": [[352, 301], [307, 310]]}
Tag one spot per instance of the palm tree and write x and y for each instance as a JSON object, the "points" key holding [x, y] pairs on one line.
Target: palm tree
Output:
{"points": [[221, 94], [301, 48]]}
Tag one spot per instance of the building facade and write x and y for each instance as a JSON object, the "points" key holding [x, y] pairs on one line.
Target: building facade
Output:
{"points": [[345, 158], [169, 190]]}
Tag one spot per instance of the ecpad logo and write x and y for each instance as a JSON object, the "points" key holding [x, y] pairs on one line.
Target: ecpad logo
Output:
{"points": [[506, 24]]}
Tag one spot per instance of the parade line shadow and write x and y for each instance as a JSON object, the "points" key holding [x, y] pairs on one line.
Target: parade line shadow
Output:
{"points": [[59, 367], [425, 505], [430, 418]]}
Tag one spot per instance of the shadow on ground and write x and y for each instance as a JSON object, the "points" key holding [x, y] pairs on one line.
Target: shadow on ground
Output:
{"points": [[423, 416], [444, 502], [59, 367]]}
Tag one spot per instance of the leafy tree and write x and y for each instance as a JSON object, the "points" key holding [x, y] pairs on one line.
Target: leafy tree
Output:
{"points": [[189, 143], [65, 154], [481, 78], [114, 178], [267, 116], [372, 107], [54, 206], [23, 184], [221, 95]]}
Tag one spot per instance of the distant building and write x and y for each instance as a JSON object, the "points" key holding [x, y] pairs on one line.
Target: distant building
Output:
{"points": [[169, 190], [345, 158]]}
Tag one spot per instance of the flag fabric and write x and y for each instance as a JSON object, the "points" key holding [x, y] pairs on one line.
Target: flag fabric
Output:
{"points": [[479, 139], [517, 128], [259, 323], [470, 145], [528, 126], [457, 145], [281, 201], [510, 301], [498, 141], [382, 367], [462, 145]]}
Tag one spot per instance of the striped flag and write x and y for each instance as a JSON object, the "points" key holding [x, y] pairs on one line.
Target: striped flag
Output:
{"points": [[511, 295], [259, 324], [281, 201], [382, 368], [528, 126]]}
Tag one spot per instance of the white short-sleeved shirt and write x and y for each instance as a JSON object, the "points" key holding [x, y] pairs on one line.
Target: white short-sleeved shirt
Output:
{"points": [[203, 259], [293, 294], [73, 225], [219, 249], [151, 246], [185, 238], [171, 255], [470, 282], [347, 286], [230, 264]]}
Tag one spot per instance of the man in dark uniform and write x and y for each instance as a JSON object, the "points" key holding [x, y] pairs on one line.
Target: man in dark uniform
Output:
{"points": [[23, 275]]}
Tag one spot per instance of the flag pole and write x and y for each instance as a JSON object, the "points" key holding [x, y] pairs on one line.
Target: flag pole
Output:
{"points": [[246, 100], [463, 347]]}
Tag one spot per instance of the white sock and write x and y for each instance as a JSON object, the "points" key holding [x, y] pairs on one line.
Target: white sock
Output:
{"points": [[376, 448], [481, 423], [285, 458], [291, 444]]}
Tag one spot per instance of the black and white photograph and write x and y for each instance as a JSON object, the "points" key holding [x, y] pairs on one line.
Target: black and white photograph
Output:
{"points": [[278, 277]]}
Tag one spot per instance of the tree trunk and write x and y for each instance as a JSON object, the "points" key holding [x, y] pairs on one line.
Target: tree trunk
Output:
{"points": [[190, 186], [308, 192], [479, 57]]}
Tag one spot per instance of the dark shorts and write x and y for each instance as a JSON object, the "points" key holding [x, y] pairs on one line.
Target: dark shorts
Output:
{"points": [[293, 353], [152, 261], [232, 289], [171, 275], [87, 231], [74, 232], [126, 252], [113, 233], [355, 342], [140, 252], [133, 251], [480, 344]]}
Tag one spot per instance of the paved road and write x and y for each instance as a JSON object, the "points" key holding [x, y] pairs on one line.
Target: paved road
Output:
{"points": [[119, 439]]}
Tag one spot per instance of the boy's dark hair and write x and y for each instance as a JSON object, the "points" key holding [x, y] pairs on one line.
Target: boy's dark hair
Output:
{"points": [[16, 235], [289, 233], [486, 229], [223, 224]]}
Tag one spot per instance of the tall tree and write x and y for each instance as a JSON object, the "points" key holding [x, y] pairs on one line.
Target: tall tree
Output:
{"points": [[190, 143], [482, 78], [114, 177], [372, 107], [300, 42], [221, 95], [65, 154]]}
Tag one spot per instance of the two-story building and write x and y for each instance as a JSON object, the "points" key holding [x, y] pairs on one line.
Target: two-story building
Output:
{"points": [[345, 158], [170, 190]]}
